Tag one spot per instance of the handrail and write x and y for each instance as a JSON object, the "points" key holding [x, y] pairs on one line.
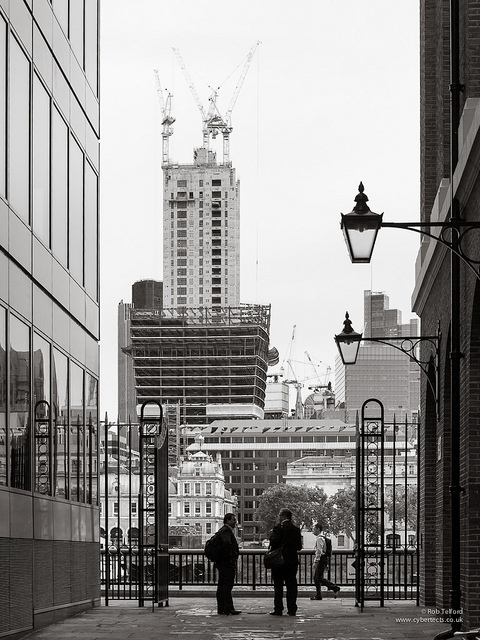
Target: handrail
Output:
{"points": [[190, 567]]}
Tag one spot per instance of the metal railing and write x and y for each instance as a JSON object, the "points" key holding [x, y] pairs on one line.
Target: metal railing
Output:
{"points": [[120, 571]]}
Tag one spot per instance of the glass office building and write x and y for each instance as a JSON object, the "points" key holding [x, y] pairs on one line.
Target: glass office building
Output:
{"points": [[49, 311]]}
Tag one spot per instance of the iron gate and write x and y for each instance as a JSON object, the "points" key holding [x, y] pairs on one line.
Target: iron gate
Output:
{"points": [[134, 508], [386, 507]]}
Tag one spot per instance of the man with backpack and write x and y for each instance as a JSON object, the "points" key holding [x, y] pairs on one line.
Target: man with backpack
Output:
{"points": [[223, 550], [323, 552]]}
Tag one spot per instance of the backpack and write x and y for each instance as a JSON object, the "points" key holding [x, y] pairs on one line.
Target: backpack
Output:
{"points": [[213, 547], [328, 547]]}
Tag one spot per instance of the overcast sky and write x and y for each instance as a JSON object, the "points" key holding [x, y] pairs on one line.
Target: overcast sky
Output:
{"points": [[331, 98]]}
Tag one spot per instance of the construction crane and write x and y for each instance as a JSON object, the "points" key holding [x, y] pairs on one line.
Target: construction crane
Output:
{"points": [[167, 119], [213, 121], [326, 384]]}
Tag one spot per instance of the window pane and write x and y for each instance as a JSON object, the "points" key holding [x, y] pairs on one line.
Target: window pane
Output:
{"points": [[41, 413], [75, 243], [3, 105], [60, 8], [41, 162], [19, 131], [3, 398], [91, 438], [19, 405], [76, 434], [91, 226], [76, 29], [59, 187], [60, 415], [91, 43]]}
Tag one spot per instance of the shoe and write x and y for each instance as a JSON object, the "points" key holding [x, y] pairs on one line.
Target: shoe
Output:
{"points": [[293, 613], [335, 592], [316, 598], [276, 613], [234, 612]]}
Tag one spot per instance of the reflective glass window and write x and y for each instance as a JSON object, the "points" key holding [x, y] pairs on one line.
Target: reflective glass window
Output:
{"points": [[41, 161], [60, 8], [76, 29], [3, 106], [19, 415], [91, 231], [75, 206], [60, 422], [59, 187], [19, 130], [91, 440], [76, 432], [41, 414], [3, 398], [91, 43]]}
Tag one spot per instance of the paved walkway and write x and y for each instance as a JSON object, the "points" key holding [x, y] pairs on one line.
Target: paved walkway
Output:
{"points": [[196, 618]]}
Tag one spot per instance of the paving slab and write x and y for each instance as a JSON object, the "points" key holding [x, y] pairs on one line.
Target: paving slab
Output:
{"points": [[196, 618]]}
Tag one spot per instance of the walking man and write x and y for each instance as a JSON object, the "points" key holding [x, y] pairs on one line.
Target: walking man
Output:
{"points": [[286, 535], [227, 566], [320, 564]]}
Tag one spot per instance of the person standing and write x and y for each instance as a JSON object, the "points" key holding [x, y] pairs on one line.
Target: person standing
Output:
{"points": [[320, 564], [227, 566], [286, 535]]}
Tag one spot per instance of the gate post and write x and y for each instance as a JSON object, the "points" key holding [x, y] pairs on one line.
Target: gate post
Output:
{"points": [[370, 571], [153, 502]]}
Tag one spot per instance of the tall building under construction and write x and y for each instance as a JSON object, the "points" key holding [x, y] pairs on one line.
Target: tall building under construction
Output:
{"points": [[201, 349], [201, 233]]}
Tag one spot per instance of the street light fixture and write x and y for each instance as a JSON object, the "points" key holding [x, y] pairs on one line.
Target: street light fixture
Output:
{"points": [[360, 228], [348, 342]]}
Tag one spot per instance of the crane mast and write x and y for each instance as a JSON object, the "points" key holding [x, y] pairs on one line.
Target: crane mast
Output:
{"points": [[213, 121], [167, 119]]}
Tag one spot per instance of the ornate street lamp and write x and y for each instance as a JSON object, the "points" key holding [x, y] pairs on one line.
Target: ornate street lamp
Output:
{"points": [[348, 342], [360, 228]]}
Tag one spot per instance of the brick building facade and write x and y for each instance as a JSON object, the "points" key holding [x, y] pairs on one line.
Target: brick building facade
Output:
{"points": [[432, 289]]}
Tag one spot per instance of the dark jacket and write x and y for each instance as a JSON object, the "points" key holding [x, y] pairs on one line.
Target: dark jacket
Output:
{"points": [[229, 546], [288, 536]]}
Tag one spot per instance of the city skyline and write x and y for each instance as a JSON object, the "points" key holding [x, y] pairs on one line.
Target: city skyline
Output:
{"points": [[310, 122]]}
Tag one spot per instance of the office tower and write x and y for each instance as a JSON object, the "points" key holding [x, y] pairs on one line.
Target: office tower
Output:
{"points": [[49, 312], [380, 320], [381, 371], [201, 233], [212, 362], [146, 294]]}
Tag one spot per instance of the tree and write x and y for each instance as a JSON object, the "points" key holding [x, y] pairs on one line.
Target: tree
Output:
{"points": [[410, 505], [342, 508], [307, 504]]}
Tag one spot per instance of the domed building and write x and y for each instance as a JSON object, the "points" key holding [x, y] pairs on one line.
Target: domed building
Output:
{"points": [[198, 499]]}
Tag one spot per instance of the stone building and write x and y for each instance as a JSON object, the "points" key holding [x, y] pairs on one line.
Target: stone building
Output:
{"points": [[197, 495]]}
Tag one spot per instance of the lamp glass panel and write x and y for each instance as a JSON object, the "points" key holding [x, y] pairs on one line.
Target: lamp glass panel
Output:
{"points": [[349, 351], [360, 243]]}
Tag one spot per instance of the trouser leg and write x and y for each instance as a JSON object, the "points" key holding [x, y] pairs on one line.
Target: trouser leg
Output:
{"points": [[277, 575], [292, 588], [317, 576], [322, 567], [226, 580]]}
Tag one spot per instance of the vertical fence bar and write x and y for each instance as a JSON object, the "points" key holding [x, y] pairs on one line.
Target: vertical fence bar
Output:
{"points": [[105, 469]]}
